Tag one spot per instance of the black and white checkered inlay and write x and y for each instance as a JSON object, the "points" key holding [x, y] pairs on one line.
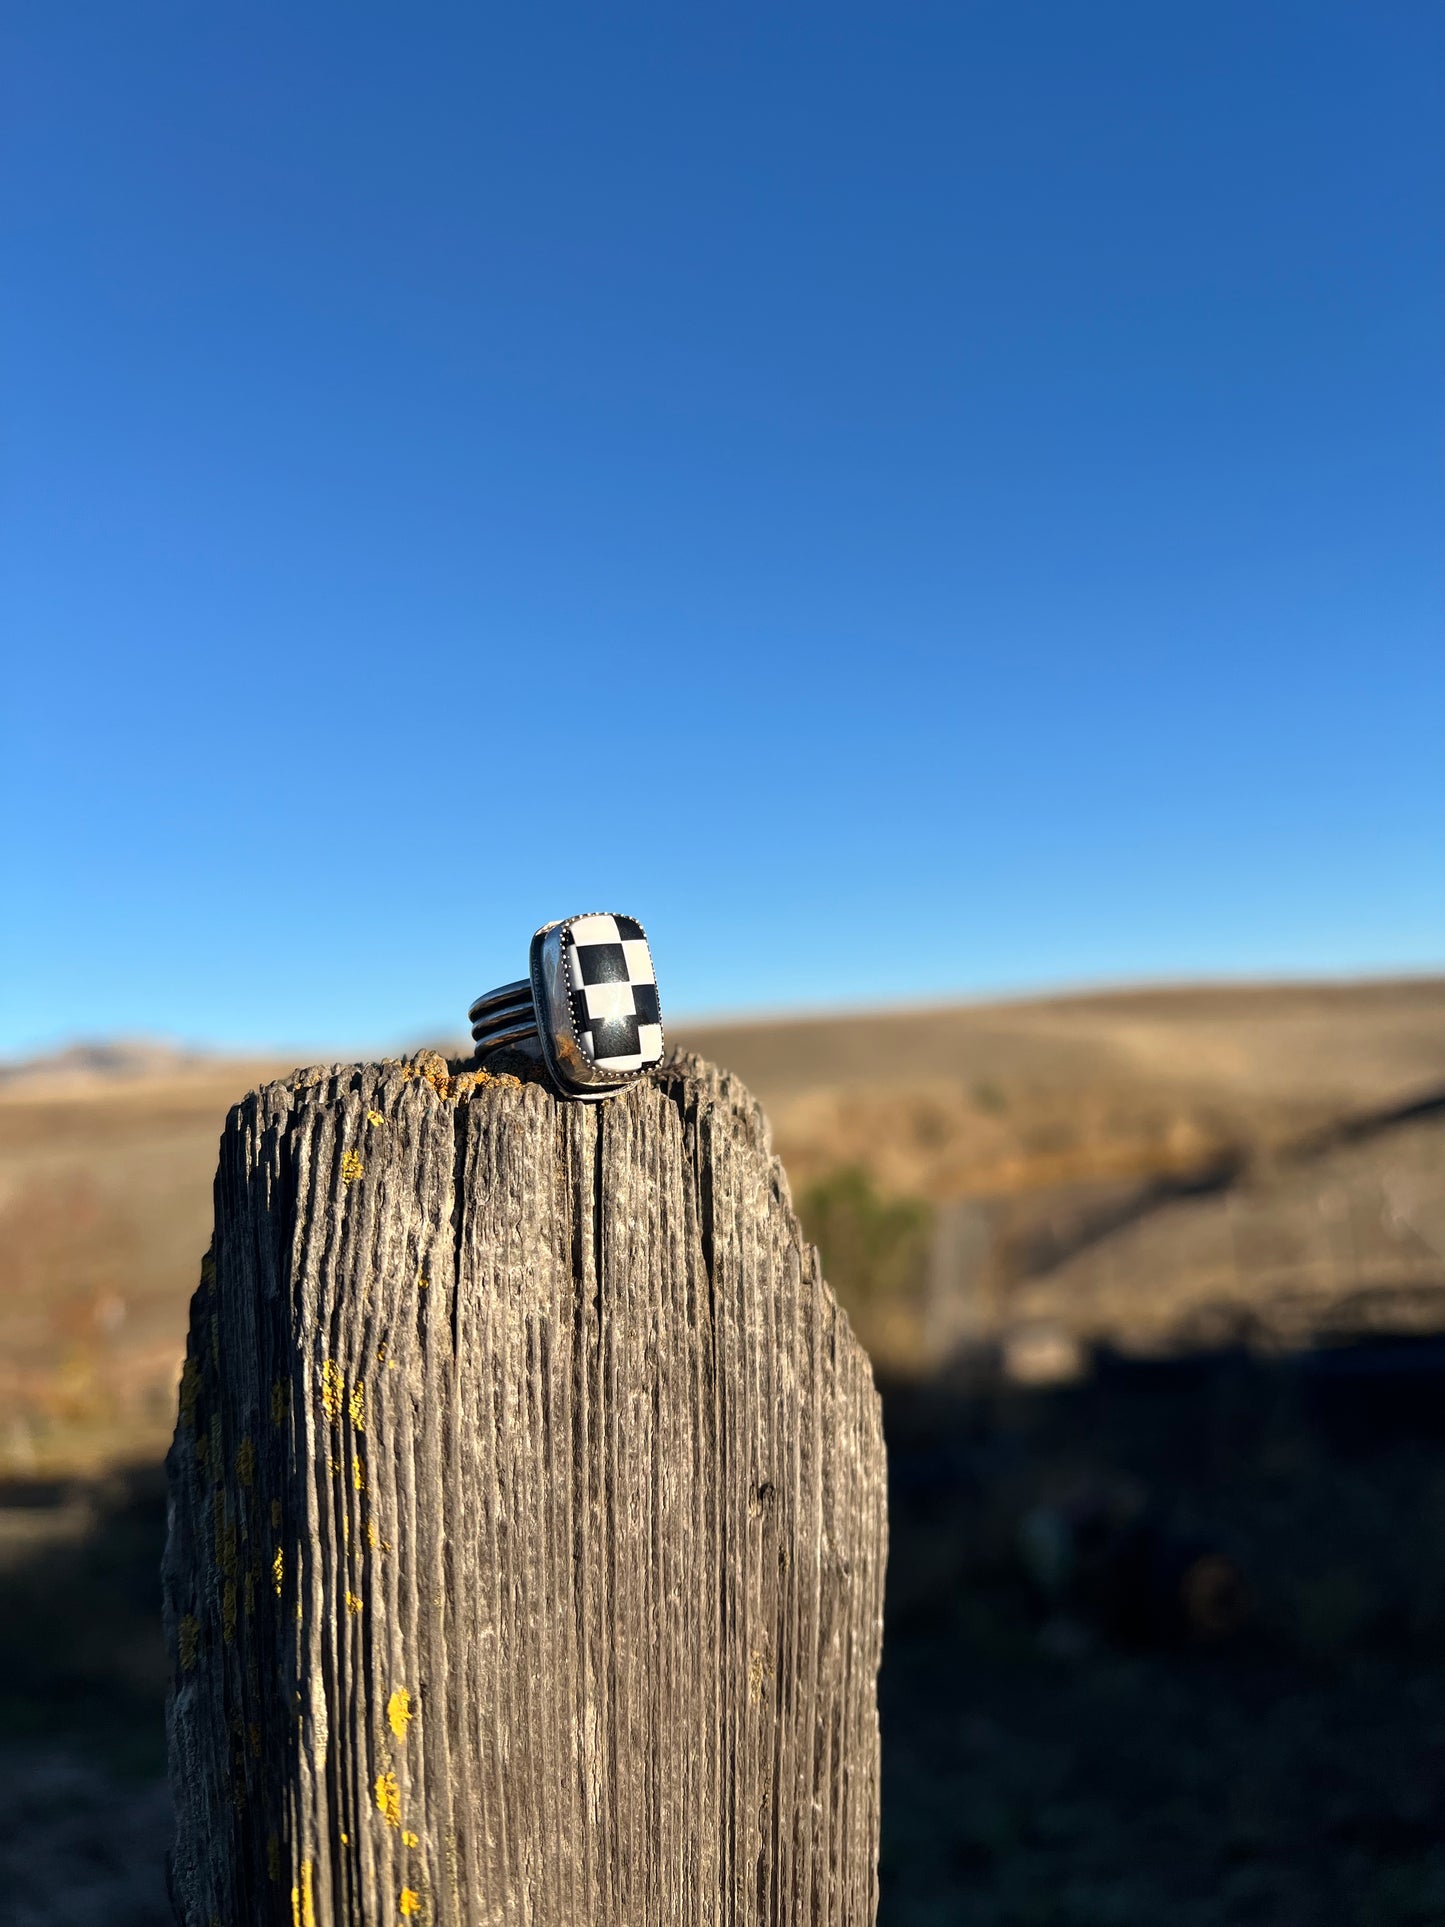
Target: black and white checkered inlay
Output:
{"points": [[614, 993]]}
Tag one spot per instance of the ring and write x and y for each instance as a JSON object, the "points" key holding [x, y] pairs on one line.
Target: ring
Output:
{"points": [[588, 1005]]}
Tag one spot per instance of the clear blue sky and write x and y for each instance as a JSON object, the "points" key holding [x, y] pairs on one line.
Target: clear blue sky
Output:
{"points": [[906, 500]]}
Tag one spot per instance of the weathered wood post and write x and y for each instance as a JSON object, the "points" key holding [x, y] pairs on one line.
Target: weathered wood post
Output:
{"points": [[527, 1520]]}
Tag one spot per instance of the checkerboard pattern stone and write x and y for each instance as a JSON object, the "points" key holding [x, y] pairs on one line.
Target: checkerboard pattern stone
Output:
{"points": [[614, 993]]}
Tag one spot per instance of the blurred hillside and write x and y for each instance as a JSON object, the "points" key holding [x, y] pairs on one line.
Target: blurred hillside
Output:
{"points": [[1141, 1167], [1154, 1282]]}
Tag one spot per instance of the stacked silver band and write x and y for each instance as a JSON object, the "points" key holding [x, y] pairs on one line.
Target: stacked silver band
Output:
{"points": [[507, 1015]]}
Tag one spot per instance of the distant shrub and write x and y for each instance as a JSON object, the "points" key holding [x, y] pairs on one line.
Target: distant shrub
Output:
{"points": [[988, 1098], [874, 1249]]}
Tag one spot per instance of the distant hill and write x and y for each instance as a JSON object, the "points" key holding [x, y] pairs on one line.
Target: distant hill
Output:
{"points": [[1085, 1158]]}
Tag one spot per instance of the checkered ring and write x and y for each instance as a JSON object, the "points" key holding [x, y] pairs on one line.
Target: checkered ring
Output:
{"points": [[613, 993]]}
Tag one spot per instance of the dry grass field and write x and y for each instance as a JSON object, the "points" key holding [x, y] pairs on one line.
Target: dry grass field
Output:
{"points": [[1155, 1285], [1063, 1125]]}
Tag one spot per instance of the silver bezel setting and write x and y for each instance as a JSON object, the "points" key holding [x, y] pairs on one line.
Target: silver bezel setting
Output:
{"points": [[571, 1069]]}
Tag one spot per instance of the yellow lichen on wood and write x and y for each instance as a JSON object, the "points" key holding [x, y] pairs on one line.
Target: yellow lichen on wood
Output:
{"points": [[356, 1405], [303, 1905], [351, 1167], [358, 1472], [374, 1118], [278, 1570], [225, 1537], [433, 1068], [409, 1901], [188, 1642], [333, 1388], [278, 1401], [409, 1839], [354, 1602], [388, 1799], [246, 1462], [398, 1712]]}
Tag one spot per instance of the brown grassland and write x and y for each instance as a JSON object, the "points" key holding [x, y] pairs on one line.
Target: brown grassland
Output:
{"points": [[1154, 1282], [1063, 1126]]}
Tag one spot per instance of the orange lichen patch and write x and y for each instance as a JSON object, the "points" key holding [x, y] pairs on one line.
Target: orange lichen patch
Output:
{"points": [[388, 1799], [279, 1398], [303, 1905], [351, 1167], [246, 1462], [356, 1405], [358, 1472], [409, 1901], [374, 1118], [354, 1602], [465, 1082], [398, 1712], [190, 1392], [433, 1067], [333, 1388], [410, 1839], [228, 1611], [188, 1642]]}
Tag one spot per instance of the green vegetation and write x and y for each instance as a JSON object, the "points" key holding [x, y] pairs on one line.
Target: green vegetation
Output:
{"points": [[874, 1249]]}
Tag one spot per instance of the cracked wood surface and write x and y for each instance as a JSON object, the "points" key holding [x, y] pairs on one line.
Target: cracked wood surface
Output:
{"points": [[527, 1519]]}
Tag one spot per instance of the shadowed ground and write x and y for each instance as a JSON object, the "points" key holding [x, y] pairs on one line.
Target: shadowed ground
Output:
{"points": [[1167, 1643]]}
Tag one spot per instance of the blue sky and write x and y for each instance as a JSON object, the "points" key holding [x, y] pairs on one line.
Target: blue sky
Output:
{"points": [[908, 501]]}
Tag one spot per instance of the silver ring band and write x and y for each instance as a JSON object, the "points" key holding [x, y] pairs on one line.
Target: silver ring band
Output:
{"points": [[507, 1015]]}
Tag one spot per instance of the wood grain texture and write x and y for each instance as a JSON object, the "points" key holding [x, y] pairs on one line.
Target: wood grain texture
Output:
{"points": [[527, 1520]]}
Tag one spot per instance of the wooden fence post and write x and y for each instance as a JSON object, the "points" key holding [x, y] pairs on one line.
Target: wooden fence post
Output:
{"points": [[527, 1520]]}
